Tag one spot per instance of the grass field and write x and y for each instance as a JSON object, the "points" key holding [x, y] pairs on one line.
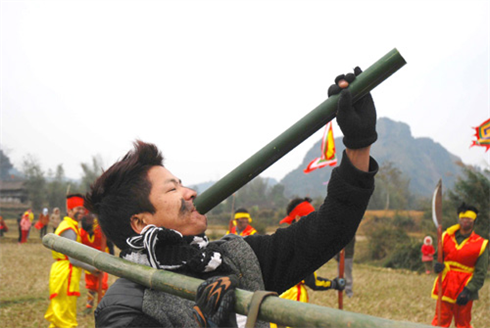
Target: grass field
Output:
{"points": [[391, 294]]}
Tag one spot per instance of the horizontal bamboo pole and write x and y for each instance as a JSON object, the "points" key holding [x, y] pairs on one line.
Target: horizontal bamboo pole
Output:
{"points": [[296, 134], [273, 309]]}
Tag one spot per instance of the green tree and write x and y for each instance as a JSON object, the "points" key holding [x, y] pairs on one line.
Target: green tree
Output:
{"points": [[5, 166], [392, 189], [253, 193], [276, 197], [472, 188], [90, 173], [35, 182]]}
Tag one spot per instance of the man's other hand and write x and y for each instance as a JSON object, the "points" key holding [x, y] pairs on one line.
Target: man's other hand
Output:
{"points": [[215, 302]]}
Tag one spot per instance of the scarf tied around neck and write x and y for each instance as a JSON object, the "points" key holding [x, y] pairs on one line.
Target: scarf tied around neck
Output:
{"points": [[167, 249]]}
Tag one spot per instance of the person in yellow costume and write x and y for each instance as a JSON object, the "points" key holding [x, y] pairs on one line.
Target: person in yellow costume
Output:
{"points": [[297, 209], [64, 278]]}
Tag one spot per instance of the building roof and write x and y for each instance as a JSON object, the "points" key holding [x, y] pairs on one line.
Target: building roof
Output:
{"points": [[12, 185]]}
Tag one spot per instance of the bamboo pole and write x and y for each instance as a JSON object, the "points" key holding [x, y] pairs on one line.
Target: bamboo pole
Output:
{"points": [[273, 309], [297, 133]]}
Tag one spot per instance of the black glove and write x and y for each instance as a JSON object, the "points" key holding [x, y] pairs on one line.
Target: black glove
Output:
{"points": [[463, 297], [357, 121], [215, 302], [439, 267], [338, 284]]}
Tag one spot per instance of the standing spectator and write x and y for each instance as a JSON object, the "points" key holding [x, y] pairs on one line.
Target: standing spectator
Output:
{"points": [[65, 274], [55, 218], [464, 268], [3, 226], [428, 252], [19, 218], [30, 216], [25, 225], [43, 222], [348, 265], [241, 226], [91, 235]]}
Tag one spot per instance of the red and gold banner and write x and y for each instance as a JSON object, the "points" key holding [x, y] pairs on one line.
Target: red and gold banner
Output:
{"points": [[329, 157], [482, 135]]}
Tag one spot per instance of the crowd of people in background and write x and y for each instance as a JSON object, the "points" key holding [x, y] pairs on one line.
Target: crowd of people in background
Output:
{"points": [[27, 220]]}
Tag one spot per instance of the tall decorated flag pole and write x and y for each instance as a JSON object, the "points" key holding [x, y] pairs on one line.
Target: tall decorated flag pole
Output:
{"points": [[328, 157], [482, 135]]}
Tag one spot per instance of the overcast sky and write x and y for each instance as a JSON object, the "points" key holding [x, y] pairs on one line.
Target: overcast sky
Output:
{"points": [[212, 82]]}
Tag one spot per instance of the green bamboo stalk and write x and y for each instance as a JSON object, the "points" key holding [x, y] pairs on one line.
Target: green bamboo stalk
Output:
{"points": [[296, 134], [273, 309]]}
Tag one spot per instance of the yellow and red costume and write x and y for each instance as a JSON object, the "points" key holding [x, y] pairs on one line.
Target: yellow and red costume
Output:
{"points": [[460, 259], [64, 284], [94, 241], [249, 230]]}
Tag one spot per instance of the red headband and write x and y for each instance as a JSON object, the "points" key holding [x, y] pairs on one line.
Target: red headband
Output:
{"points": [[302, 209], [73, 202]]}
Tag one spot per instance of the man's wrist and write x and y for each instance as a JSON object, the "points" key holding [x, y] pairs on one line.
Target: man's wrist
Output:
{"points": [[359, 157]]}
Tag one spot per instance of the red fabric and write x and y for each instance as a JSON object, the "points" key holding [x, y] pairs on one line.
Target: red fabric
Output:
{"points": [[38, 225], [249, 230], [95, 241], [462, 315], [428, 252], [44, 219], [73, 202], [456, 279], [92, 282], [24, 236], [3, 226], [302, 209]]}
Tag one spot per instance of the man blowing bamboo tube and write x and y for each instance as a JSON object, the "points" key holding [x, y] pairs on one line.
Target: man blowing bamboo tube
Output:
{"points": [[149, 214]]}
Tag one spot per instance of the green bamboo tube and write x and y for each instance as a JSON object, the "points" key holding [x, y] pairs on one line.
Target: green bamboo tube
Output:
{"points": [[296, 134], [273, 309]]}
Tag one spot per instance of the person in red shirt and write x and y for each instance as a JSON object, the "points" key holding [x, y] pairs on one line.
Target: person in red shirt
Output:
{"points": [[3, 227], [428, 252], [25, 225], [463, 271], [241, 224], [42, 223], [92, 236]]}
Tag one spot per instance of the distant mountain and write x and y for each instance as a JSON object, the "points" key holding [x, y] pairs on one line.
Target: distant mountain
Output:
{"points": [[422, 160]]}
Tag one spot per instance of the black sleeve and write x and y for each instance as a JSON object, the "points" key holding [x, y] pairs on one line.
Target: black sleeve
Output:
{"points": [[291, 254], [122, 306]]}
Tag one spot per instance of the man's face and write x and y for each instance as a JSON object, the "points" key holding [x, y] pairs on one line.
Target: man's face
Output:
{"points": [[76, 213], [242, 224], [173, 204], [466, 224]]}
